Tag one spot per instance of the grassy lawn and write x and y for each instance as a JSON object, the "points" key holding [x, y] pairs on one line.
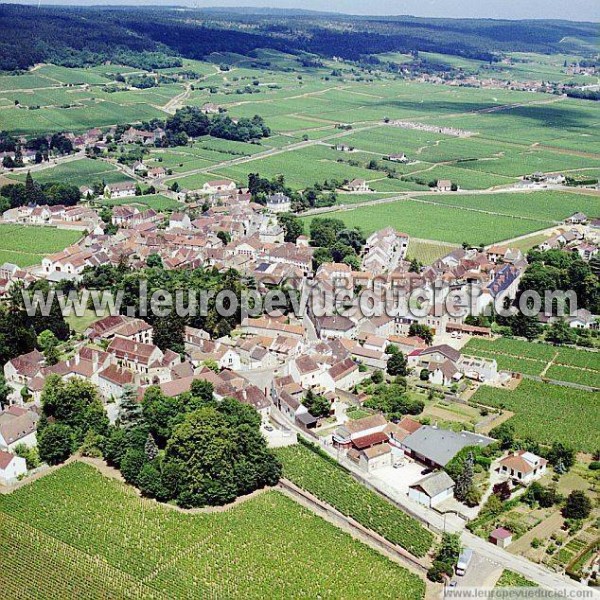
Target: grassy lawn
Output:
{"points": [[80, 324], [97, 539]]}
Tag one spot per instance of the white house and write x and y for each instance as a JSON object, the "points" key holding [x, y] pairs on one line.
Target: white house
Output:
{"points": [[17, 426], [218, 185], [523, 466], [279, 203], [432, 489], [11, 467]]}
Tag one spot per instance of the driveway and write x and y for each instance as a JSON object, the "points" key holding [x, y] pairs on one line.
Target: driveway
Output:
{"points": [[482, 573], [402, 478]]}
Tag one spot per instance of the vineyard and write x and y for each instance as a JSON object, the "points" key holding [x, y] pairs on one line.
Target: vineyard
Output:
{"points": [[332, 484], [546, 413], [27, 245], [560, 364], [96, 536]]}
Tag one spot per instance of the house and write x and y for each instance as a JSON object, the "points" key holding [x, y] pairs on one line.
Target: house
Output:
{"points": [[305, 370], [436, 447], [279, 203], [11, 467], [501, 537], [123, 189], [209, 108], [179, 221], [583, 319], [399, 158], [157, 172], [218, 185], [345, 374], [523, 466], [357, 185], [443, 185], [17, 426], [334, 326], [372, 458], [577, 218], [432, 489], [361, 433]]}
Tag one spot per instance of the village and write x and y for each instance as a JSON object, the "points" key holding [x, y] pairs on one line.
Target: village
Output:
{"points": [[317, 377]]}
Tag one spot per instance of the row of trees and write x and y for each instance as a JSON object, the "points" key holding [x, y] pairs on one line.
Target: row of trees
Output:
{"points": [[14, 195]]}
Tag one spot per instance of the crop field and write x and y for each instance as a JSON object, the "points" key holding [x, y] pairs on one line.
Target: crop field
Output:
{"points": [[26, 245], [332, 484], [124, 544], [437, 222], [84, 171], [156, 201], [512, 579], [428, 252], [546, 413], [564, 364]]}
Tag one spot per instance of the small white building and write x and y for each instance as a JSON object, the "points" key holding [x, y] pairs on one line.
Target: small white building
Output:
{"points": [[524, 467], [279, 203], [432, 489], [11, 467]]}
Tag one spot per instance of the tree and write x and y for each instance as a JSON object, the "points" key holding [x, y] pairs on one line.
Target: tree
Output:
{"points": [[76, 404], [55, 443], [577, 506], [150, 449], [502, 490], [130, 410], [525, 326], [422, 331], [30, 454], [505, 434], [377, 376], [224, 236], [154, 261], [464, 481], [446, 557], [318, 406], [561, 456], [560, 333], [397, 364], [5, 391], [49, 345], [292, 227]]}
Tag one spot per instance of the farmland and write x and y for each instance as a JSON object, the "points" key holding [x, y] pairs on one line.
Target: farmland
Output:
{"points": [[80, 522], [154, 201], [438, 222], [25, 246], [332, 484], [546, 413], [84, 171], [570, 365]]}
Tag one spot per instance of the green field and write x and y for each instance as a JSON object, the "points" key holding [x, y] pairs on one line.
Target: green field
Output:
{"points": [[437, 222], [546, 413], [84, 171], [75, 524], [27, 245], [331, 483], [512, 579], [563, 364], [155, 201]]}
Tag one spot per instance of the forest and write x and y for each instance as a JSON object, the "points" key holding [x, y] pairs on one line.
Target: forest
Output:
{"points": [[154, 37]]}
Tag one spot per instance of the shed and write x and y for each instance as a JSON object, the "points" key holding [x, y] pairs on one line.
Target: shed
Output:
{"points": [[432, 489], [501, 537]]}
